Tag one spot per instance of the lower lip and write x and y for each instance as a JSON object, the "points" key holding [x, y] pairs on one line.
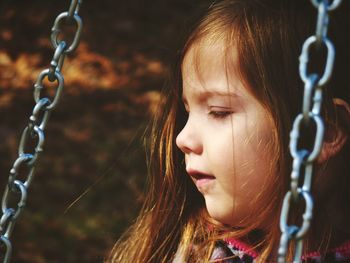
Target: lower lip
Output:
{"points": [[202, 182]]}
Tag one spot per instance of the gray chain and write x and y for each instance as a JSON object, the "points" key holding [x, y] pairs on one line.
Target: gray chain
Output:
{"points": [[34, 132], [304, 158]]}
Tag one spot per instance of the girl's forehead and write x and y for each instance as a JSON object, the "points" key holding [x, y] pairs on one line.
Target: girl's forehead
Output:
{"points": [[206, 50], [211, 65]]}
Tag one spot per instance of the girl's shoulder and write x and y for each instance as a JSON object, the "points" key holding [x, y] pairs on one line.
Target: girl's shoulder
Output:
{"points": [[235, 251]]}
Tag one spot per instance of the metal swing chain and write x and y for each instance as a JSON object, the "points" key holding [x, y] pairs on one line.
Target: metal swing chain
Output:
{"points": [[34, 132], [303, 159]]}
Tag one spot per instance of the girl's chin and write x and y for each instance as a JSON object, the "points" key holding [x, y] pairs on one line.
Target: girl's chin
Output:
{"points": [[225, 215]]}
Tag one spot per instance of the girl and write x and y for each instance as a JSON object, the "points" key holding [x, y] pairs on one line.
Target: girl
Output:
{"points": [[219, 159]]}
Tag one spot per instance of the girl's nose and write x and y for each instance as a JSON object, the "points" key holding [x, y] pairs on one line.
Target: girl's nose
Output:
{"points": [[188, 140]]}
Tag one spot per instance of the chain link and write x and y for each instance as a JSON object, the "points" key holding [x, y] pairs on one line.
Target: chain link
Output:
{"points": [[56, 31], [303, 159], [330, 7], [304, 59], [35, 128]]}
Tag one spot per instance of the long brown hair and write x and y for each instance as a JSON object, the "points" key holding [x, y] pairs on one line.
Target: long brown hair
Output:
{"points": [[268, 36]]}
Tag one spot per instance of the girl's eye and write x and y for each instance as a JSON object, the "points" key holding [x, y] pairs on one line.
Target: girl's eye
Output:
{"points": [[220, 114]]}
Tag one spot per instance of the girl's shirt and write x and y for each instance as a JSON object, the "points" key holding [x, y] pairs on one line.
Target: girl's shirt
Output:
{"points": [[238, 252]]}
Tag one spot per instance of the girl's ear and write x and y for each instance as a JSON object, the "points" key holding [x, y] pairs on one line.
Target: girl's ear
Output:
{"points": [[336, 135]]}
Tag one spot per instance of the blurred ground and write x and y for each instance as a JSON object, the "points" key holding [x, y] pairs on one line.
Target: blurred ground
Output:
{"points": [[93, 150]]}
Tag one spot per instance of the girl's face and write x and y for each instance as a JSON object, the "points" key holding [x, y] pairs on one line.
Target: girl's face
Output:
{"points": [[228, 137]]}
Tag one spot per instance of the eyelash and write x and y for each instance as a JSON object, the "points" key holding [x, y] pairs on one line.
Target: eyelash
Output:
{"points": [[220, 114], [216, 114]]}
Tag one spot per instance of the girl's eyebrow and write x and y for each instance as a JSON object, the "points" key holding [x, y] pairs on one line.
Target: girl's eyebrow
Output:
{"points": [[204, 95], [209, 93]]}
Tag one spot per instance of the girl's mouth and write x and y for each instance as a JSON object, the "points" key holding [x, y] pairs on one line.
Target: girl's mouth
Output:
{"points": [[200, 179]]}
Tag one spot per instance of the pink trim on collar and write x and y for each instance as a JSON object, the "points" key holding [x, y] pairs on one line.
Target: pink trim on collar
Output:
{"points": [[343, 249], [310, 255], [242, 247]]}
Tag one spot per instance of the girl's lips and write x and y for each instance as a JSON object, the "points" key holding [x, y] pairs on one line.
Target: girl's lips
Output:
{"points": [[201, 179]]}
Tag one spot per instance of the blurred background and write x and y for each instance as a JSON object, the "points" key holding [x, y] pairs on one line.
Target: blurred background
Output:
{"points": [[89, 182]]}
